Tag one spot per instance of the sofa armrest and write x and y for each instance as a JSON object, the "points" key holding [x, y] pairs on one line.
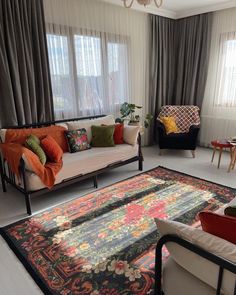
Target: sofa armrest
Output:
{"points": [[194, 129], [161, 128], [221, 263], [26, 163], [195, 250], [7, 175], [193, 132]]}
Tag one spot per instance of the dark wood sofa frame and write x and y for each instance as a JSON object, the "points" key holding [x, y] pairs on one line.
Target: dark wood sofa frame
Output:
{"points": [[10, 177]]}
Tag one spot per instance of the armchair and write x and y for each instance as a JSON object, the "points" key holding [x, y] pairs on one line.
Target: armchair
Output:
{"points": [[188, 122]]}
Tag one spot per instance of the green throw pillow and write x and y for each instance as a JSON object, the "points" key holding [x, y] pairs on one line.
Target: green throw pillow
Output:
{"points": [[32, 143], [103, 136], [35, 138], [230, 211]]}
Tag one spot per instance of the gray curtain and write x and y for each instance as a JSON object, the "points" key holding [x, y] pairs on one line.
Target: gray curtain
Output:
{"points": [[26, 94], [162, 63], [179, 61], [193, 36]]}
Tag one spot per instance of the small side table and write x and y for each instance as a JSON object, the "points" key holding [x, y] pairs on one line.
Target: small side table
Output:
{"points": [[221, 144]]}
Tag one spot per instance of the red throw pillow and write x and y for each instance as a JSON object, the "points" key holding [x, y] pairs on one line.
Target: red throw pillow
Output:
{"points": [[51, 149], [118, 133], [219, 225]]}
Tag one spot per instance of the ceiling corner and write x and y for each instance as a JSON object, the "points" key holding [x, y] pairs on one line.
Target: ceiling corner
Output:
{"points": [[205, 9]]}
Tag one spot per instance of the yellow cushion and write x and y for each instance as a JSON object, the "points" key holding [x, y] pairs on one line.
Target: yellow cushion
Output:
{"points": [[170, 124]]}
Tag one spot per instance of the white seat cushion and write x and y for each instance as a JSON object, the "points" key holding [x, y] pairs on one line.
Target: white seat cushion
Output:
{"points": [[85, 162], [176, 280]]}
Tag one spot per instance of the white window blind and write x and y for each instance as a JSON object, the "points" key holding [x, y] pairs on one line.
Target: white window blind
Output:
{"points": [[89, 73]]}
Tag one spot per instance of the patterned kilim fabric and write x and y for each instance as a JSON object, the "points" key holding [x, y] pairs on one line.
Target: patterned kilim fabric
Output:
{"points": [[185, 116], [104, 243]]}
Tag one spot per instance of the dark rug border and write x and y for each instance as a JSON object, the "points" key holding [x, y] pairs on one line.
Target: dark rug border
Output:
{"points": [[186, 174], [41, 284]]}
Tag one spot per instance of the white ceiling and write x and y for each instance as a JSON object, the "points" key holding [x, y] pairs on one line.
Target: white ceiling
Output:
{"points": [[181, 8]]}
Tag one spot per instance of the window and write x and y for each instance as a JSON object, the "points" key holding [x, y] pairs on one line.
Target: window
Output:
{"points": [[117, 72], [226, 76], [59, 69], [89, 73], [88, 56]]}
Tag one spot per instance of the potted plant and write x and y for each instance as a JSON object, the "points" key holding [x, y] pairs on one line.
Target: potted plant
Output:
{"points": [[128, 110]]}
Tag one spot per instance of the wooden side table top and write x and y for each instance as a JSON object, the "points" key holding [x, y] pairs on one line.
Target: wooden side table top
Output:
{"points": [[221, 143]]}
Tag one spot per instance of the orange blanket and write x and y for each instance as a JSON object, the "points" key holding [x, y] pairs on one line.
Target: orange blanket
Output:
{"points": [[13, 152], [20, 135]]}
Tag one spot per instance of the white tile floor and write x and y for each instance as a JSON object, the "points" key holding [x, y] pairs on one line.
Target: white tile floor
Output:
{"points": [[15, 280]]}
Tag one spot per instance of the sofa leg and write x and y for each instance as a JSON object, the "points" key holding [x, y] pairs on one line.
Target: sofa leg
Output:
{"points": [[193, 154], [140, 164], [4, 187], [95, 181], [28, 204]]}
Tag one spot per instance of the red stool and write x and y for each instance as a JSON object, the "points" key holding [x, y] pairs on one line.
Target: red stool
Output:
{"points": [[221, 144]]}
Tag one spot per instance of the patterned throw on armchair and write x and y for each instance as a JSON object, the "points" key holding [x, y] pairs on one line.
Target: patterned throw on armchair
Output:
{"points": [[188, 122]]}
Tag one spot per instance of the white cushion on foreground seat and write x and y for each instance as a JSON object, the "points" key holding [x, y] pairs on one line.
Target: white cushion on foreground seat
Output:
{"points": [[195, 264]]}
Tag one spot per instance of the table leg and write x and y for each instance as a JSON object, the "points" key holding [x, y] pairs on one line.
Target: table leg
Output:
{"points": [[213, 156], [233, 159], [220, 157]]}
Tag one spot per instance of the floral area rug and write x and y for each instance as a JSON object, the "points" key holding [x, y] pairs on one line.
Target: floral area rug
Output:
{"points": [[103, 243]]}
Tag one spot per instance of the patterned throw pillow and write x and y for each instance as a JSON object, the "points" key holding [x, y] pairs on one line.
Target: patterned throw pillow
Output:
{"points": [[77, 140], [170, 124], [32, 143]]}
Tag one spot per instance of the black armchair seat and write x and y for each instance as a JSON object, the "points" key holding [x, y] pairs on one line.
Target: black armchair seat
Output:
{"points": [[189, 119]]}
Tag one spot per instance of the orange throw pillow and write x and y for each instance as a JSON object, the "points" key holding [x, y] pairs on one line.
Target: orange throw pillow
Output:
{"points": [[221, 226], [51, 149]]}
